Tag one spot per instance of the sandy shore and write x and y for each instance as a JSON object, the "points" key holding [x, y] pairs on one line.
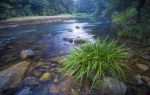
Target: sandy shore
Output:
{"points": [[35, 19]]}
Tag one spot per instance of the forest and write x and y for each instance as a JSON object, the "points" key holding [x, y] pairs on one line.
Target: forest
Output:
{"points": [[74, 47], [17, 8]]}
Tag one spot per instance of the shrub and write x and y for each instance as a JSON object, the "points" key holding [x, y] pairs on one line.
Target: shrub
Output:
{"points": [[123, 17], [133, 31], [97, 60]]}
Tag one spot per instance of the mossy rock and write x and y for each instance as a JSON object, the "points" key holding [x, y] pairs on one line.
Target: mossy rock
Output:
{"points": [[45, 76]]}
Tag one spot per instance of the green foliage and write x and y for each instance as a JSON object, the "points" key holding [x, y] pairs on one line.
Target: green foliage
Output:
{"points": [[133, 31], [97, 60], [123, 17], [85, 6], [17, 8]]}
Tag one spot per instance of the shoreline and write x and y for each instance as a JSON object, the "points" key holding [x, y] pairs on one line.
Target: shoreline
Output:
{"points": [[35, 19]]}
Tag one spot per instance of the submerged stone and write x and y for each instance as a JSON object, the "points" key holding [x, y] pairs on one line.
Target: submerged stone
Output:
{"points": [[30, 81], [54, 89], [25, 91], [68, 40], [77, 27]]}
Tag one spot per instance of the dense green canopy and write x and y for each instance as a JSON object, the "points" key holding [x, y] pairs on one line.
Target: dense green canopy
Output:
{"points": [[15, 8]]}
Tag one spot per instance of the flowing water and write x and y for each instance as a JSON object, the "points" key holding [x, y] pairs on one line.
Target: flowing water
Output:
{"points": [[46, 40]]}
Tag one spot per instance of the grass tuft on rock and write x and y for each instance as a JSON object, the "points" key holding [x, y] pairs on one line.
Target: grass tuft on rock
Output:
{"points": [[95, 61]]}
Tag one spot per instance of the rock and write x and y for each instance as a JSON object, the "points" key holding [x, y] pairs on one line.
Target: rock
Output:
{"points": [[143, 67], [56, 80], [25, 91], [146, 57], [53, 65], [30, 81], [111, 86], [80, 41], [26, 53], [146, 79], [74, 92], [37, 73], [45, 76], [66, 85], [138, 80], [77, 27], [54, 89], [12, 77], [68, 40]]}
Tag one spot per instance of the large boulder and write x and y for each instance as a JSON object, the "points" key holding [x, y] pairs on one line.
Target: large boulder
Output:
{"points": [[12, 77], [26, 53]]}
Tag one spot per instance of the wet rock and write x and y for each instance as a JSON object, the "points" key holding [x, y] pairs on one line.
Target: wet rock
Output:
{"points": [[138, 80], [37, 73], [146, 57], [25, 91], [66, 84], [77, 27], [30, 81], [111, 86], [142, 67], [26, 53], [146, 79], [12, 77], [68, 40], [45, 76], [56, 80], [80, 41], [54, 89]]}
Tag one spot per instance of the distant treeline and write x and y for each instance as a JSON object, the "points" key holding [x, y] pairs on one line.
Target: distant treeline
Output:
{"points": [[16, 8], [131, 16]]}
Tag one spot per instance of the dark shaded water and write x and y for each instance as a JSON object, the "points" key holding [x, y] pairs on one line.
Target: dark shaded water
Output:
{"points": [[46, 40]]}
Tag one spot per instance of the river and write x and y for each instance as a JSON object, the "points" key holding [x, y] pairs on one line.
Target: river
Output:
{"points": [[47, 40]]}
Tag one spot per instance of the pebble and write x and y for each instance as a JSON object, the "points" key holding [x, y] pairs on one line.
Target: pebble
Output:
{"points": [[55, 80], [31, 81]]}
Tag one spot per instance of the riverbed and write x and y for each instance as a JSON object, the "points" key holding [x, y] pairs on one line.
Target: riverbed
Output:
{"points": [[47, 40]]}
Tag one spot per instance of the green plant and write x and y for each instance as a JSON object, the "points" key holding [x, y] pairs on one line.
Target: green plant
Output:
{"points": [[123, 17], [97, 60], [133, 31]]}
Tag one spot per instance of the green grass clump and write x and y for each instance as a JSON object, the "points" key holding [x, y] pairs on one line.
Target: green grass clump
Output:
{"points": [[133, 31], [94, 61], [123, 17]]}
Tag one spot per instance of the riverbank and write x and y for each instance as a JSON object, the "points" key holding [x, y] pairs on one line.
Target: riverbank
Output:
{"points": [[35, 19]]}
